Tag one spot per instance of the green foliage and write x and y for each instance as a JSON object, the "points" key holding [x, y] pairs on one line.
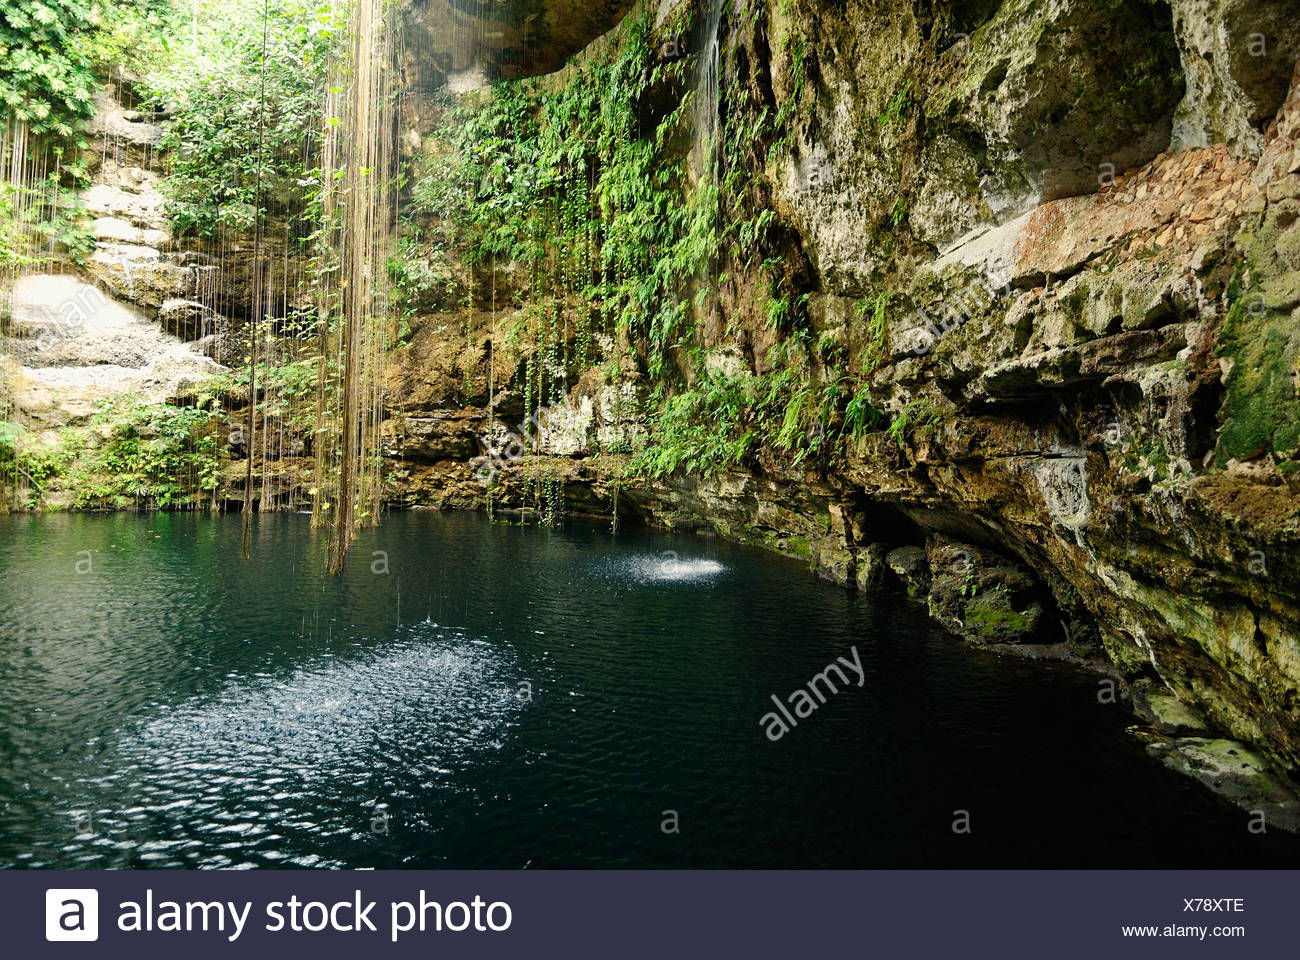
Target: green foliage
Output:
{"points": [[566, 180], [9, 437], [569, 179], [42, 222], [805, 420], [63, 229], [897, 106], [891, 116], [725, 418], [783, 126], [45, 79], [898, 211], [47, 83], [13, 253], [9, 434], [861, 414], [754, 136], [702, 430], [784, 309], [239, 116], [419, 275], [873, 310], [917, 420], [37, 466], [288, 392], [156, 455], [991, 616], [489, 186], [130, 35], [50, 51]]}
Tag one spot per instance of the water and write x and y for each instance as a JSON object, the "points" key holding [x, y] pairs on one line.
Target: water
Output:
{"points": [[706, 148], [507, 697]]}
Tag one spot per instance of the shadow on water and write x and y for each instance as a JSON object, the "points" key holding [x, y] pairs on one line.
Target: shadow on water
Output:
{"points": [[478, 695]]}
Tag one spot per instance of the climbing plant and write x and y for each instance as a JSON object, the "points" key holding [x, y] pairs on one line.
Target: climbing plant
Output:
{"points": [[572, 181], [566, 179]]}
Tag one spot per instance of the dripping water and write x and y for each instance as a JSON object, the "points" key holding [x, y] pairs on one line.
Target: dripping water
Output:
{"points": [[706, 149], [707, 109]]}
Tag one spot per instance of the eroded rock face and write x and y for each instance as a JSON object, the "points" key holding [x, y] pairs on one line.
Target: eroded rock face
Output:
{"points": [[1029, 101], [132, 254], [75, 347], [1056, 89], [1233, 770], [1236, 57], [980, 595], [1121, 415], [138, 260], [188, 319], [912, 567]]}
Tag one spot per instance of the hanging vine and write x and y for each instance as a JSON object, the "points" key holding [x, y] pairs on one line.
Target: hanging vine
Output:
{"points": [[359, 212]]}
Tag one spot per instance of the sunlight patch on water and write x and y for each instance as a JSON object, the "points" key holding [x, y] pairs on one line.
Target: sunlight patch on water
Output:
{"points": [[256, 757], [665, 568], [338, 711]]}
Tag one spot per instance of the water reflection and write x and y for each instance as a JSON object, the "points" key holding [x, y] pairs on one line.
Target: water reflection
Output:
{"points": [[501, 696]]}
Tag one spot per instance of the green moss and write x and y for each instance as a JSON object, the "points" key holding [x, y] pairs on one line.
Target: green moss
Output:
{"points": [[1147, 457], [991, 617], [799, 546], [1260, 413]]}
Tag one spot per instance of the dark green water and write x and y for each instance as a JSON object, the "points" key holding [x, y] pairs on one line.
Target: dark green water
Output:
{"points": [[507, 697]]}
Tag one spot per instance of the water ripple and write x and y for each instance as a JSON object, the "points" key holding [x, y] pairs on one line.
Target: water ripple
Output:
{"points": [[258, 757]]}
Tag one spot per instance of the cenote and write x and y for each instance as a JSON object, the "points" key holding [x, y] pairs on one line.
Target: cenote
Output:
{"points": [[470, 694]]}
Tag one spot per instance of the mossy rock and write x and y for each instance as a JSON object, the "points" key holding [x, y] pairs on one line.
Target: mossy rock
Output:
{"points": [[912, 568], [1125, 654], [799, 546], [1057, 88], [1261, 412], [1261, 336], [992, 618], [1167, 713]]}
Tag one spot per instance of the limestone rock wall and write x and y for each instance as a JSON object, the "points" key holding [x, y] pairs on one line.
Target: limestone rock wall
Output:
{"points": [[1094, 289]]}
